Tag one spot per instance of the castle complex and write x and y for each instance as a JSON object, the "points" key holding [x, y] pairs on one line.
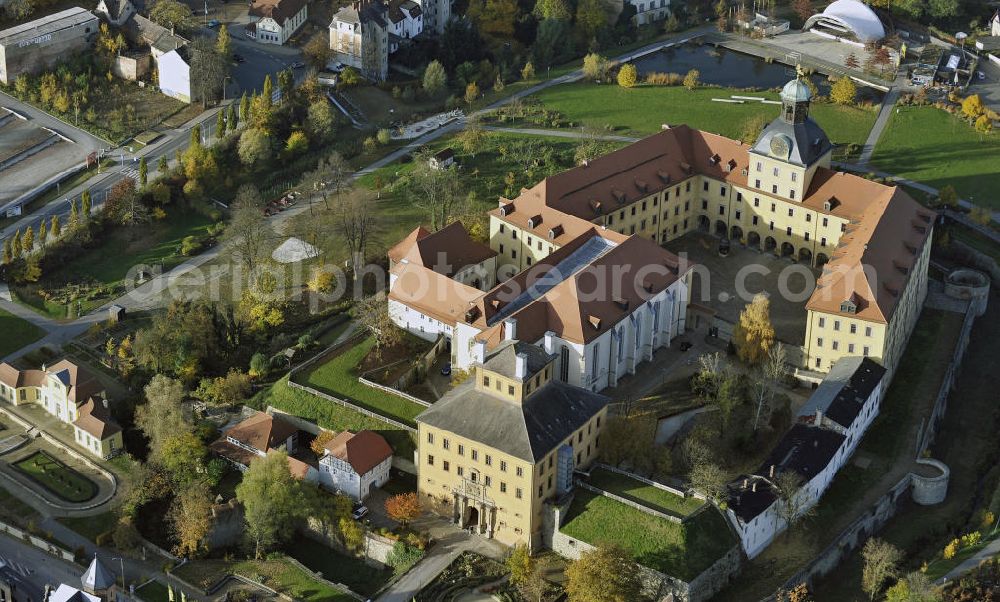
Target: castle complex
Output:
{"points": [[584, 287]]}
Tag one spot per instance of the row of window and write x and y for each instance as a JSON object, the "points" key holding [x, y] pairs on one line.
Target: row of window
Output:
{"points": [[474, 454], [835, 345], [852, 327]]}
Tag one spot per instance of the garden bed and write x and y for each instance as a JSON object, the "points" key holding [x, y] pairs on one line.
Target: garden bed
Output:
{"points": [[647, 495], [57, 478]]}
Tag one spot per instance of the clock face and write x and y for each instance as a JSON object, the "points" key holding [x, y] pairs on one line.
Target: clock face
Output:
{"points": [[780, 146]]}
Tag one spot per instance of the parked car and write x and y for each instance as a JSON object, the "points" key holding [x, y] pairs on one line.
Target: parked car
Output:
{"points": [[213, 23], [446, 369], [360, 511], [238, 58], [297, 65]]}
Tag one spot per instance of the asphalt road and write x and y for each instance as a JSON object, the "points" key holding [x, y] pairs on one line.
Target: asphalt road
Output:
{"points": [[37, 567]]}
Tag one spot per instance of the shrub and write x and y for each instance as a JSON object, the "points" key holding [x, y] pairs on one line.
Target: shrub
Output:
{"points": [[190, 246], [402, 557]]}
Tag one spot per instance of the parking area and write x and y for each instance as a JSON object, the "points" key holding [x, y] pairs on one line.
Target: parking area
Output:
{"points": [[727, 284], [988, 88]]}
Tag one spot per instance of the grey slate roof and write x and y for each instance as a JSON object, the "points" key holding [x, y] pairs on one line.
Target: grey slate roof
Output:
{"points": [[503, 359], [528, 430], [808, 140], [97, 576], [49, 24], [844, 389]]}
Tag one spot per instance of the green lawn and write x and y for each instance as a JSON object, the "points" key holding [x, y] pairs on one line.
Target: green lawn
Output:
{"points": [[276, 572], [332, 416], [931, 146], [56, 477], [642, 110], [16, 333], [336, 567], [339, 378], [655, 498], [154, 591], [13, 509], [91, 526], [682, 551]]}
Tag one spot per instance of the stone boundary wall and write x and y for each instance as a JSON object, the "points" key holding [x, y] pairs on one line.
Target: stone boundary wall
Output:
{"points": [[38, 542], [376, 547], [318, 576], [630, 503], [395, 392], [885, 507], [650, 482]]}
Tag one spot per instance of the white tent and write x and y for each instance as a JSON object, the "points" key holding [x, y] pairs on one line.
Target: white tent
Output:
{"points": [[849, 17]]}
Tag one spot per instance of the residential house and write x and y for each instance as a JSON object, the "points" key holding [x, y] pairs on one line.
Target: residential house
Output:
{"points": [[115, 12], [275, 21], [71, 394], [359, 37], [443, 159], [353, 463], [259, 435], [170, 55], [495, 448], [822, 440], [648, 11]]}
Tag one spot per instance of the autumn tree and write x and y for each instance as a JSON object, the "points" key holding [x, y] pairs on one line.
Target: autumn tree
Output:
{"points": [[595, 67], [471, 93], [224, 43], [605, 574], [843, 91], [318, 445], [591, 17], [803, 9], [691, 79], [225, 391], [254, 147], [435, 78], [947, 196], [754, 334], [520, 564], [528, 71], [881, 562], [852, 62], [317, 50], [799, 593], [708, 478], [182, 456], [981, 215], [161, 415], [190, 516], [628, 76], [270, 496], [124, 204], [171, 14], [403, 508], [914, 587], [28, 240], [972, 106]]}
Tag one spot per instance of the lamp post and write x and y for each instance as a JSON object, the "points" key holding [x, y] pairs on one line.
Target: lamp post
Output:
{"points": [[122, 562]]}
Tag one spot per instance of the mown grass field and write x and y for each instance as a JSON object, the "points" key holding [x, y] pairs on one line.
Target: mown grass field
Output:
{"points": [[655, 498], [931, 146], [16, 333], [682, 551], [57, 478], [644, 109]]}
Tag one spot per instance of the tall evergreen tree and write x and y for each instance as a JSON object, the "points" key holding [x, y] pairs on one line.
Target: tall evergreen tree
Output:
{"points": [[195, 136], [244, 108], [231, 118], [15, 245], [43, 232], [143, 172], [85, 206], [162, 166], [74, 214], [220, 123], [56, 227], [28, 240], [7, 255]]}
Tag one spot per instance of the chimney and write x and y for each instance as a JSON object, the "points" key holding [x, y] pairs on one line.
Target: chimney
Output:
{"points": [[479, 351], [745, 481], [754, 487], [520, 366], [510, 329], [819, 417], [771, 472], [550, 342]]}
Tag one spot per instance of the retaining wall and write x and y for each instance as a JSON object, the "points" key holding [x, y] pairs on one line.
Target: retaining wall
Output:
{"points": [[38, 542]]}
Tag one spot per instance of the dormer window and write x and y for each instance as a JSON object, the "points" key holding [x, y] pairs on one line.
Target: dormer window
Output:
{"points": [[714, 159], [619, 196], [595, 205], [595, 322], [848, 306], [534, 221], [663, 176], [555, 232], [507, 209]]}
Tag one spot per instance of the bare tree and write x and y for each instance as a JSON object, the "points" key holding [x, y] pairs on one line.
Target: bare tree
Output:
{"points": [[881, 563], [434, 190], [765, 382], [372, 313], [709, 479], [356, 223], [248, 232], [792, 507], [208, 69]]}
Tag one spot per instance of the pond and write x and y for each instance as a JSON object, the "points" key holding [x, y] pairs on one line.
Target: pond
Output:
{"points": [[724, 67]]}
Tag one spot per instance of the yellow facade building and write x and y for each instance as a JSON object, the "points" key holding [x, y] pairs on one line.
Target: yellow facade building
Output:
{"points": [[495, 448], [779, 195]]}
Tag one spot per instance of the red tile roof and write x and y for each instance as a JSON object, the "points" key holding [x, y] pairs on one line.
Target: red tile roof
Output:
{"points": [[363, 450]]}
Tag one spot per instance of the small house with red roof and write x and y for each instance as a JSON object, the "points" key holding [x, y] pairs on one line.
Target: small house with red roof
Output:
{"points": [[259, 435], [353, 463]]}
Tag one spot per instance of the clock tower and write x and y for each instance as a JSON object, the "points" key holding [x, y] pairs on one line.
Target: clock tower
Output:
{"points": [[790, 148]]}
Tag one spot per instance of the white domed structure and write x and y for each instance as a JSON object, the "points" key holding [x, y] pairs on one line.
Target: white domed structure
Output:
{"points": [[796, 91], [851, 18]]}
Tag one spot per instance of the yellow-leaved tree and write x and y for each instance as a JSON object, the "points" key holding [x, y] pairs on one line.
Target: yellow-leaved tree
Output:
{"points": [[754, 334]]}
